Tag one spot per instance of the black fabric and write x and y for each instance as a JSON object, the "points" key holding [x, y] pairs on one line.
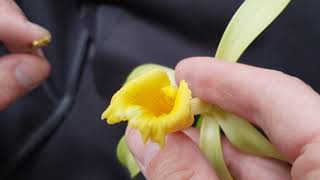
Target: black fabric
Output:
{"points": [[121, 35]]}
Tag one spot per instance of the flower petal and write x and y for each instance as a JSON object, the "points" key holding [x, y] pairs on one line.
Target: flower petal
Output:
{"points": [[142, 69], [152, 104]]}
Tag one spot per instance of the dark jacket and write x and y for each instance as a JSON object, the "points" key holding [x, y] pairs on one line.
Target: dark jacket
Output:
{"points": [[56, 132]]}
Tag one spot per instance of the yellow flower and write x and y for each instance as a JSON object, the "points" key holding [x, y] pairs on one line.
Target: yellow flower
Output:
{"points": [[152, 104]]}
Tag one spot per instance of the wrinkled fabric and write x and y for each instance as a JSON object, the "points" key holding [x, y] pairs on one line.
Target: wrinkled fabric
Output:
{"points": [[123, 34]]}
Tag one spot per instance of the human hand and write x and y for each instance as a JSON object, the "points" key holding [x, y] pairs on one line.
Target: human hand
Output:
{"points": [[20, 71], [283, 106]]}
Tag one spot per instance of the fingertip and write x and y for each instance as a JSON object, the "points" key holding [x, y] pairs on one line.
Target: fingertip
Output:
{"points": [[185, 67], [143, 153], [134, 141], [180, 69], [20, 34], [39, 37], [36, 28], [174, 160], [20, 73]]}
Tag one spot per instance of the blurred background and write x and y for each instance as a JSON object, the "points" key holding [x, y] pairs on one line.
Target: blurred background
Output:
{"points": [[56, 132]]}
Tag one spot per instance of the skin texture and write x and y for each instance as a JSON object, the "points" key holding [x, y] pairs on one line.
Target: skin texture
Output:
{"points": [[20, 72], [283, 106]]}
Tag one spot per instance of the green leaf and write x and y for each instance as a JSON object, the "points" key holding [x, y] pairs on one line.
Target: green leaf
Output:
{"points": [[199, 122], [210, 144], [126, 159], [248, 22], [245, 136]]}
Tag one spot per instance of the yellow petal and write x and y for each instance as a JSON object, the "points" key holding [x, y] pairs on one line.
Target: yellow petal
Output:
{"points": [[142, 69], [152, 104]]}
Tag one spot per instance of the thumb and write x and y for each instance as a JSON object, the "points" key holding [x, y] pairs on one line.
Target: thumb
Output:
{"points": [[179, 159], [20, 73]]}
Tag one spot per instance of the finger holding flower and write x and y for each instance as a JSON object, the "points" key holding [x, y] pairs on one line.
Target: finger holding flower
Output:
{"points": [[151, 102]]}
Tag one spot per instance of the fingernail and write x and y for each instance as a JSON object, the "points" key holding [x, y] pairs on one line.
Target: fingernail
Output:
{"points": [[27, 75], [313, 175], [37, 28], [143, 153]]}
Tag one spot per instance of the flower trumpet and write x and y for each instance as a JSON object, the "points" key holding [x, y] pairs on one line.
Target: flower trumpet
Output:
{"points": [[152, 104]]}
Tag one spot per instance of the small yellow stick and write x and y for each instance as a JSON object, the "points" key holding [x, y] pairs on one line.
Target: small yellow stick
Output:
{"points": [[40, 43]]}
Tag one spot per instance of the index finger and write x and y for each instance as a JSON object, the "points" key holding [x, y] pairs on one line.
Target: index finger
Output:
{"points": [[284, 107], [16, 32]]}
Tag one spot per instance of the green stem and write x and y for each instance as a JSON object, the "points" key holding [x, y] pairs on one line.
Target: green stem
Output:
{"points": [[126, 159], [248, 22], [210, 144], [246, 137]]}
